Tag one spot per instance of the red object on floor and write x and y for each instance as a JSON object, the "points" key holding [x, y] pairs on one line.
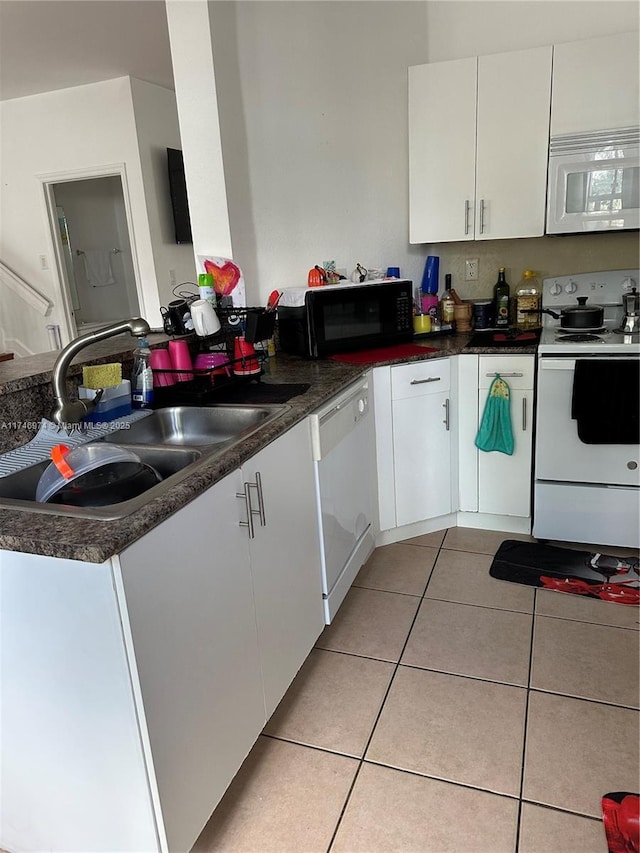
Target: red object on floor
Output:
{"points": [[621, 818], [369, 356]]}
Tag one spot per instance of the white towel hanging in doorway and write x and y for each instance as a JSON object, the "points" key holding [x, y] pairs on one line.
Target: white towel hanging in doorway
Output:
{"points": [[97, 265]]}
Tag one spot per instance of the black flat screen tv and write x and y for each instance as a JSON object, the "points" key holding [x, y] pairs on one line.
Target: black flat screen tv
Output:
{"points": [[178, 193]]}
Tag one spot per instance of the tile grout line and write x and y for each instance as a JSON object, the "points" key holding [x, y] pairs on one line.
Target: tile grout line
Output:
{"points": [[382, 704], [467, 603], [419, 775], [605, 702], [526, 722]]}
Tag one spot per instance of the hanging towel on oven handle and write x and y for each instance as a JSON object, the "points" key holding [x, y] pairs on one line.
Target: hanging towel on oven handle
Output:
{"points": [[496, 432]]}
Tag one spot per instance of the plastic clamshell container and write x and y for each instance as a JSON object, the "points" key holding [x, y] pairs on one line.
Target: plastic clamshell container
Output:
{"points": [[82, 459]]}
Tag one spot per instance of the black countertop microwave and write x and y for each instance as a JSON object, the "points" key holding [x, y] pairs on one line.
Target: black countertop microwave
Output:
{"points": [[316, 322]]}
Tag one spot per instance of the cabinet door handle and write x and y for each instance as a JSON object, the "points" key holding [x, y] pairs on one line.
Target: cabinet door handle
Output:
{"points": [[446, 414], [482, 216], [505, 374], [260, 511], [524, 414], [422, 381], [247, 499], [466, 216]]}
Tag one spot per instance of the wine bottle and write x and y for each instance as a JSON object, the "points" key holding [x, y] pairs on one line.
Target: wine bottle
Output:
{"points": [[447, 303], [501, 300]]}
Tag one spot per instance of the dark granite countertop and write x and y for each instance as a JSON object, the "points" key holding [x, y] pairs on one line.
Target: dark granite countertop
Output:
{"points": [[97, 540]]}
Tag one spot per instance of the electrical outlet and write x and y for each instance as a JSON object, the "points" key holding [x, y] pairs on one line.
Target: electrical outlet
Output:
{"points": [[172, 278], [44, 263], [471, 269]]}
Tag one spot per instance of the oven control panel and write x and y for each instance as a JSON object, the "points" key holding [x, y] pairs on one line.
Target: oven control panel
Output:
{"points": [[600, 288]]}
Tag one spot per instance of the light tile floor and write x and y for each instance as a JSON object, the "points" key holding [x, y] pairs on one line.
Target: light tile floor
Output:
{"points": [[444, 711]]}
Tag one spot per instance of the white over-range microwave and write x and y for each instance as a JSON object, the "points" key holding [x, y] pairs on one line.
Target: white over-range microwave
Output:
{"points": [[594, 182]]}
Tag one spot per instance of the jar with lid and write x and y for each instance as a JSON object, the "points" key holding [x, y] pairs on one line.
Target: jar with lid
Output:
{"points": [[528, 301]]}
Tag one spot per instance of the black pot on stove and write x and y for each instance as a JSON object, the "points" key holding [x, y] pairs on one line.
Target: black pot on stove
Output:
{"points": [[580, 316]]}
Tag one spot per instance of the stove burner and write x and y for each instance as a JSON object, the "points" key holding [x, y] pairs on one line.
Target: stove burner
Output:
{"points": [[579, 339], [590, 331]]}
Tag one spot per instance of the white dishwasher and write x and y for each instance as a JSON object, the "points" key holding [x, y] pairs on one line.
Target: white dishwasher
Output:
{"points": [[344, 461]]}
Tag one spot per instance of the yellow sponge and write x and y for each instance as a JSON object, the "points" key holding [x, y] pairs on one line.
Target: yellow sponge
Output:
{"points": [[102, 376]]}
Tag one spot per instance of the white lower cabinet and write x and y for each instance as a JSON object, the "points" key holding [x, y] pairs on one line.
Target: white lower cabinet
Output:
{"points": [[285, 558], [222, 614], [494, 482], [413, 441], [504, 482], [134, 689], [189, 600]]}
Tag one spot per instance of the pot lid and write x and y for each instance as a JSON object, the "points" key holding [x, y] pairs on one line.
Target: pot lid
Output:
{"points": [[582, 307], [69, 465], [107, 484]]}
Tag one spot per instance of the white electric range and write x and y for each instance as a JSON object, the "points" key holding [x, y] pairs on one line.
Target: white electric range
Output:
{"points": [[587, 451], [603, 288]]}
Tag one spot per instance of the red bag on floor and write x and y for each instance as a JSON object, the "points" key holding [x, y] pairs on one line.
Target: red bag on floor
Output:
{"points": [[621, 818]]}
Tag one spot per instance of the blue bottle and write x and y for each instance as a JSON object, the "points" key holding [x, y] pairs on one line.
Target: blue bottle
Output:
{"points": [[430, 275]]}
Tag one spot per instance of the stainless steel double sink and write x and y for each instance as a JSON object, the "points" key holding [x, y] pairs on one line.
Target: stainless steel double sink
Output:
{"points": [[176, 441]]}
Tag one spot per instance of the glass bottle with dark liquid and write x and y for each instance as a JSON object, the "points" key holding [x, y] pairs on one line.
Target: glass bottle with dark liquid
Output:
{"points": [[501, 301]]}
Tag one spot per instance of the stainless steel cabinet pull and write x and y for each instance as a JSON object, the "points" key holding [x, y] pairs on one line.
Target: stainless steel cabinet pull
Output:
{"points": [[247, 499], [466, 216], [422, 381], [505, 374], [260, 511], [482, 216], [524, 414], [446, 414]]}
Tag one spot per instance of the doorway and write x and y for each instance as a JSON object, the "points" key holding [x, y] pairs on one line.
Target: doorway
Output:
{"points": [[91, 234]]}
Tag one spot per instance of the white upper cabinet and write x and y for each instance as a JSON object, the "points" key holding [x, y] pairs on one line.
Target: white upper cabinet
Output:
{"points": [[478, 147], [442, 150], [512, 143], [595, 84]]}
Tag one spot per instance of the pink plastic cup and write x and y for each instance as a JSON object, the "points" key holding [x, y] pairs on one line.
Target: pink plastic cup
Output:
{"points": [[160, 361], [181, 360]]}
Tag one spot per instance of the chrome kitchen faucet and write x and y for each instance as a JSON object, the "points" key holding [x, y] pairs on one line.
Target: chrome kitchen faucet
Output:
{"points": [[70, 411]]}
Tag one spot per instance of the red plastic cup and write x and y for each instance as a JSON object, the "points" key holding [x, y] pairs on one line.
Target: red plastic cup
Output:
{"points": [[245, 360], [181, 360]]}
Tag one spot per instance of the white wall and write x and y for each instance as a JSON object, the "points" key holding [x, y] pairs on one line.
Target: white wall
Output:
{"points": [[474, 27], [312, 100], [81, 129], [157, 129], [70, 129], [195, 86]]}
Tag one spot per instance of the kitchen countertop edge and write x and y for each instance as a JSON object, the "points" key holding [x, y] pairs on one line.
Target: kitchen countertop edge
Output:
{"points": [[96, 541]]}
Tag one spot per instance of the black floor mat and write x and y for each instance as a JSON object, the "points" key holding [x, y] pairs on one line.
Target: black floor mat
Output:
{"points": [[587, 573]]}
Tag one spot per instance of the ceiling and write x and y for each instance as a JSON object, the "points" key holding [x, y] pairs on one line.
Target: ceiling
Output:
{"points": [[55, 44]]}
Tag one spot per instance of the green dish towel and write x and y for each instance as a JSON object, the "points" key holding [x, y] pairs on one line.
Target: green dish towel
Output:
{"points": [[495, 431]]}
